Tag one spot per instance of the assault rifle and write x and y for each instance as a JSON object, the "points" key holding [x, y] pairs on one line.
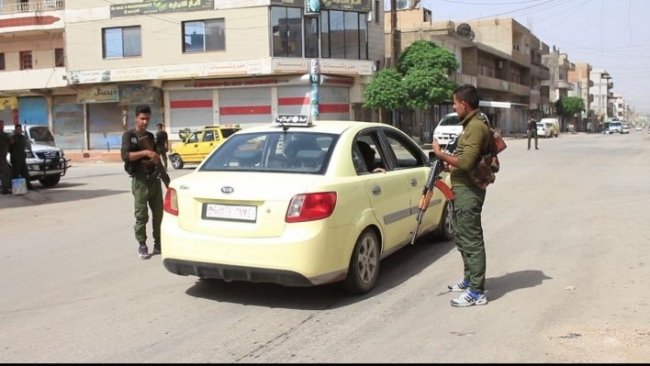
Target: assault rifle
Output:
{"points": [[159, 171], [433, 181]]}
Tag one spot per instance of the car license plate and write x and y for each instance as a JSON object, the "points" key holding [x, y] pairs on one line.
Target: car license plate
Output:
{"points": [[214, 211]]}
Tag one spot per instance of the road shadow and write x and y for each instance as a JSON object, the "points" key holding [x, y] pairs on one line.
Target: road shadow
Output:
{"points": [[498, 286], [394, 270], [62, 193]]}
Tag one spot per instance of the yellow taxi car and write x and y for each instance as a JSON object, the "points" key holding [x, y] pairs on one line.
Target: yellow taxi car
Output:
{"points": [[296, 204], [198, 144]]}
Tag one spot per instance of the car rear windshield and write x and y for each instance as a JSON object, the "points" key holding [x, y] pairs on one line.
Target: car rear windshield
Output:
{"points": [[274, 151], [615, 124], [449, 121]]}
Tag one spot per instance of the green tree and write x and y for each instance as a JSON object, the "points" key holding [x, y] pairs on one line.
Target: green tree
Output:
{"points": [[385, 91], [569, 106], [423, 74]]}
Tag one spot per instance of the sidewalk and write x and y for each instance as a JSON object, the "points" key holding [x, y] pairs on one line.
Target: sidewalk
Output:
{"points": [[83, 157]]}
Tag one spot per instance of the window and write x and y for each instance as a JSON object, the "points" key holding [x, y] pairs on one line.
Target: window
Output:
{"points": [[2, 61], [377, 12], [204, 35], [344, 35], [25, 60], [121, 42], [59, 59], [311, 37], [286, 27]]}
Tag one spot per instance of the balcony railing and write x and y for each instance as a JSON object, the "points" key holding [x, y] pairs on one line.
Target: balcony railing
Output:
{"points": [[32, 6]]}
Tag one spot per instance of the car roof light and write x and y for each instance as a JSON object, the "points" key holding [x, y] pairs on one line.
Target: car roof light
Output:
{"points": [[292, 120]]}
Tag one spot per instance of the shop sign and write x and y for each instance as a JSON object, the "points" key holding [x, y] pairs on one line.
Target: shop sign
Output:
{"points": [[8, 103], [160, 6], [364, 6], [137, 94], [98, 94]]}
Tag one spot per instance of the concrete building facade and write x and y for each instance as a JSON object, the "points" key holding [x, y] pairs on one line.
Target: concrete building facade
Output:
{"points": [[203, 62]]}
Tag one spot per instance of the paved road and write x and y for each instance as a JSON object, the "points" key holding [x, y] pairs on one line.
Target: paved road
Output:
{"points": [[567, 236]]}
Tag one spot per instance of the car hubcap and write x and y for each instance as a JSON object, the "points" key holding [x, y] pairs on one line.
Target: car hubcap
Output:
{"points": [[367, 260]]}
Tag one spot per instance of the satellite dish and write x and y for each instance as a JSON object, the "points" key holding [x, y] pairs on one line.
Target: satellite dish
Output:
{"points": [[465, 31], [402, 4]]}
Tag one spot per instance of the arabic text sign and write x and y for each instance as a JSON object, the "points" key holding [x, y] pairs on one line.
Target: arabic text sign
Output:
{"points": [[160, 6]]}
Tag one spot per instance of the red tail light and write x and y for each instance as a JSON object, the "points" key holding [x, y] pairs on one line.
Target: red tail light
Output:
{"points": [[311, 206], [171, 202]]}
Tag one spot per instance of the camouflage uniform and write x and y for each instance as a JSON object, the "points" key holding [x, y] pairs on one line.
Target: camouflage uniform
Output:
{"points": [[145, 185], [468, 204]]}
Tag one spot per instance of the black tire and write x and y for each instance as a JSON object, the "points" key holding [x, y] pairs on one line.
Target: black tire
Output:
{"points": [[176, 160], [50, 180], [445, 230], [364, 264]]}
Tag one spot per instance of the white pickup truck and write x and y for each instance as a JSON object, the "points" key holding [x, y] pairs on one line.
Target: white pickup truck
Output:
{"points": [[45, 161]]}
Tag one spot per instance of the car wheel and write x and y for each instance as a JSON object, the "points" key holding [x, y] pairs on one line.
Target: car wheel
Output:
{"points": [[364, 264], [445, 230], [177, 162], [50, 180]]}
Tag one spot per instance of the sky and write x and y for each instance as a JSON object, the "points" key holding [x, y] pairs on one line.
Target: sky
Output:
{"points": [[613, 35]]}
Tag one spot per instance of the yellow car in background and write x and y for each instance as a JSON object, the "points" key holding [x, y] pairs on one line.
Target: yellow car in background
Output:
{"points": [[301, 204], [196, 145]]}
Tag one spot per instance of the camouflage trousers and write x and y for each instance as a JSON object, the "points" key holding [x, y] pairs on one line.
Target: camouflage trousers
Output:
{"points": [[147, 194], [468, 206]]}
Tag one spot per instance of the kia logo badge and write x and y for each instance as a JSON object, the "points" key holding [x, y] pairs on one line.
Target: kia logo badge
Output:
{"points": [[227, 189]]}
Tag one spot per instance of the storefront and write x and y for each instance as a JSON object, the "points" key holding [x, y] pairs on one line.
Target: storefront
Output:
{"points": [[111, 110], [252, 101], [32, 111]]}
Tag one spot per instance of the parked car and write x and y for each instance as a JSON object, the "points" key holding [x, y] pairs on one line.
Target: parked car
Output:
{"points": [[295, 204], [542, 130], [552, 125], [447, 129], [625, 128], [46, 162], [195, 146]]}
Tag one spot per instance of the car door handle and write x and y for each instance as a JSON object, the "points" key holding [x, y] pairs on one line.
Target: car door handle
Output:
{"points": [[376, 190], [414, 182]]}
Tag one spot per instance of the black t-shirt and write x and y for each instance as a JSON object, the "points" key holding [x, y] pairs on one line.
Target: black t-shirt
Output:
{"points": [[133, 140], [161, 141]]}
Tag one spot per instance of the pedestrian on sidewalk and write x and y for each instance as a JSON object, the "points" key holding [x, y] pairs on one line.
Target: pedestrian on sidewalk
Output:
{"points": [[532, 132]]}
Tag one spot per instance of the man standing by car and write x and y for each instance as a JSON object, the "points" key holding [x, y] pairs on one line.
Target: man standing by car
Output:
{"points": [[162, 144], [5, 141], [18, 159], [473, 141], [145, 184], [532, 132]]}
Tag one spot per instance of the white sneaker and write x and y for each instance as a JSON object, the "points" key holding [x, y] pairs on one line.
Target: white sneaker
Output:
{"points": [[469, 298], [461, 286]]}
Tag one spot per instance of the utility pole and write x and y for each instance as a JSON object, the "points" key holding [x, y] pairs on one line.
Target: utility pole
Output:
{"points": [[395, 44]]}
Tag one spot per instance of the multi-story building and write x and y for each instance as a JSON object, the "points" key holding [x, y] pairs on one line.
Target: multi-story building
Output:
{"points": [[206, 62], [498, 56], [579, 76], [32, 60], [620, 108], [601, 109], [558, 83]]}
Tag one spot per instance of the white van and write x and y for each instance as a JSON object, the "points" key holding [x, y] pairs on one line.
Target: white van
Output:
{"points": [[448, 129], [552, 125]]}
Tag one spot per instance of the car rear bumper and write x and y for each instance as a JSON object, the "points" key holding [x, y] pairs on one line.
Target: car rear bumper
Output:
{"points": [[308, 254], [235, 273]]}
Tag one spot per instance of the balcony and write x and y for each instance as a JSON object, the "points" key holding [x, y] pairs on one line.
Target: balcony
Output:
{"points": [[34, 79], [518, 89], [32, 6], [461, 79], [486, 82]]}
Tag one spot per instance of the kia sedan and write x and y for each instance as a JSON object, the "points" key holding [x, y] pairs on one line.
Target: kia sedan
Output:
{"points": [[294, 203]]}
